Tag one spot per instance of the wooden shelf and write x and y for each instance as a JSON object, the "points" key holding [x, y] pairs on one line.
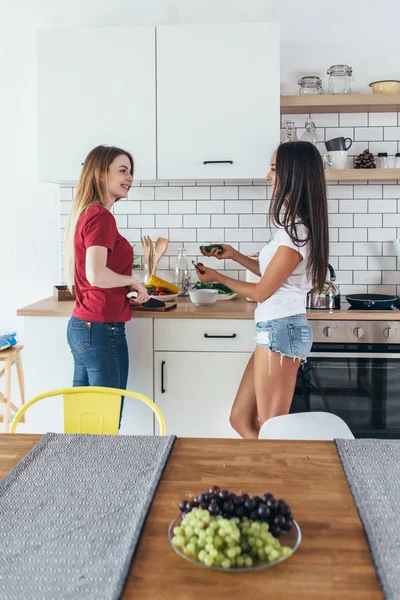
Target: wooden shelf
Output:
{"points": [[338, 103], [362, 174]]}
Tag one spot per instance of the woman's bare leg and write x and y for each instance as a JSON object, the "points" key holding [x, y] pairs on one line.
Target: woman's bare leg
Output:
{"points": [[244, 416]]}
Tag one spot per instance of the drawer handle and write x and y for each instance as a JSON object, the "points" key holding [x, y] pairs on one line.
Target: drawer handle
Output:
{"points": [[220, 336], [217, 162], [162, 376]]}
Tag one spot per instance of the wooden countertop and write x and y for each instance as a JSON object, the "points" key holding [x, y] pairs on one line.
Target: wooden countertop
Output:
{"points": [[239, 308], [332, 563]]}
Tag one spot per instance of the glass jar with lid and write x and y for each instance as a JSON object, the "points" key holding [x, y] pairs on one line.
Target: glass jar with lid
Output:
{"points": [[339, 79], [383, 160], [310, 85]]}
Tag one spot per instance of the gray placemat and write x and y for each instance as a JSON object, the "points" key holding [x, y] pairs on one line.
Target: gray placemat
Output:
{"points": [[372, 468], [71, 515]]}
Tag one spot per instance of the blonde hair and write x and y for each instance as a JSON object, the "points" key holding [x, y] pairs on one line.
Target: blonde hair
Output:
{"points": [[91, 189]]}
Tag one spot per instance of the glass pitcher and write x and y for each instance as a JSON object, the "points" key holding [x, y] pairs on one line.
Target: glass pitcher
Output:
{"points": [[182, 272]]}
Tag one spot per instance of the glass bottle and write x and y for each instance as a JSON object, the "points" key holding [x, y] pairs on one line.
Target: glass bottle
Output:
{"points": [[310, 134], [182, 272], [310, 85], [339, 79], [383, 161], [289, 134], [397, 161]]}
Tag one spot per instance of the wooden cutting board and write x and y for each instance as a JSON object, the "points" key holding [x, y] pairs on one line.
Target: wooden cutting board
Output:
{"points": [[168, 306]]}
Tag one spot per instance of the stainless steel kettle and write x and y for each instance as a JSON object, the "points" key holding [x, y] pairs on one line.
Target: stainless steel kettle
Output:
{"points": [[329, 298]]}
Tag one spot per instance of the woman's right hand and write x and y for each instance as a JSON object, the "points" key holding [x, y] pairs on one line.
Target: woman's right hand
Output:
{"points": [[142, 294], [227, 253]]}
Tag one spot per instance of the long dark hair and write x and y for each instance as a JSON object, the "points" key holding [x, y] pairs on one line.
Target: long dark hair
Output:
{"points": [[300, 196]]}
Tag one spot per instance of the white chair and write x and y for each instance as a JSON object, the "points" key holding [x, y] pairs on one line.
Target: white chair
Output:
{"points": [[305, 426]]}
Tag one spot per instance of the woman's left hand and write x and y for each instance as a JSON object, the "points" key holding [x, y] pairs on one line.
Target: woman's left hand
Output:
{"points": [[208, 275]]}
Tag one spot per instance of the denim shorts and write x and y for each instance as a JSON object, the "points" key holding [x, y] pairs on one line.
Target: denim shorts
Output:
{"points": [[290, 336]]}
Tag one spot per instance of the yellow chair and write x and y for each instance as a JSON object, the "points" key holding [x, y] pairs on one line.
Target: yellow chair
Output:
{"points": [[92, 410]]}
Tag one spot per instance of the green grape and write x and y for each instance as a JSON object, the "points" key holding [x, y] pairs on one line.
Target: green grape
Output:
{"points": [[208, 561], [226, 563]]}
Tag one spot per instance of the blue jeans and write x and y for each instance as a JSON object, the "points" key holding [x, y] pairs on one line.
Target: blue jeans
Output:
{"points": [[100, 353], [290, 336]]}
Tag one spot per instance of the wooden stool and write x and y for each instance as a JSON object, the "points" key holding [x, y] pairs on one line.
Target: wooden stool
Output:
{"points": [[10, 357]]}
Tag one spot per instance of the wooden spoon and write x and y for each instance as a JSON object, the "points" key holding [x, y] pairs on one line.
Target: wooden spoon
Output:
{"points": [[160, 249], [150, 245], [146, 252]]}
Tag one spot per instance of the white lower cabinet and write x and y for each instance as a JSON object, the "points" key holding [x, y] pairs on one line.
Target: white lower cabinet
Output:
{"points": [[195, 391]]}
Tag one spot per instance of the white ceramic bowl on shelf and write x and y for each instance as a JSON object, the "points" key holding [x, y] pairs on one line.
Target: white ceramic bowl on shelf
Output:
{"points": [[202, 297]]}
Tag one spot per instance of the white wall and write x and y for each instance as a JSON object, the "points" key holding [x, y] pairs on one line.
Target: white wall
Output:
{"points": [[315, 34]]}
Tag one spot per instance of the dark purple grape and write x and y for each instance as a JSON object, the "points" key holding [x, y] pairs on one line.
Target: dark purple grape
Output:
{"points": [[214, 509], [200, 498], [254, 516], [203, 505], [263, 511], [257, 500], [223, 494], [275, 530], [288, 525], [189, 505], [250, 504], [240, 512], [206, 497], [280, 521], [214, 490], [182, 505], [228, 507], [231, 496], [266, 497], [273, 506], [245, 496], [195, 502], [238, 500]]}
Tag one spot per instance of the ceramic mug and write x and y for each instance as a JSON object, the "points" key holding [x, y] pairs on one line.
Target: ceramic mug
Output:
{"points": [[339, 143], [336, 159]]}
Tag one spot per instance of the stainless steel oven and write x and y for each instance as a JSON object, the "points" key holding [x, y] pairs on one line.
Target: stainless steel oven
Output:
{"points": [[353, 371]]}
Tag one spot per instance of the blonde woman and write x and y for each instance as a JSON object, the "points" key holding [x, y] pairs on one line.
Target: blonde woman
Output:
{"points": [[99, 264]]}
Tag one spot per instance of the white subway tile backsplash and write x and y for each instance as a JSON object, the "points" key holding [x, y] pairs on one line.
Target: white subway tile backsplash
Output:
{"points": [[169, 221], [374, 220], [382, 119], [353, 234], [240, 235], [127, 207], [253, 221], [353, 206], [391, 191], [252, 192], [353, 119], [382, 206], [156, 207], [210, 207], [197, 221], [383, 234], [382, 263], [364, 217], [368, 134], [142, 221], [182, 207], [225, 220], [239, 206], [225, 192], [368, 249], [340, 220], [141, 193], [392, 133], [368, 277], [200, 192], [168, 193]]}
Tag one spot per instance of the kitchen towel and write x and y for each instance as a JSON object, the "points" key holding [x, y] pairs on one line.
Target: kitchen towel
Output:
{"points": [[372, 468], [72, 512]]}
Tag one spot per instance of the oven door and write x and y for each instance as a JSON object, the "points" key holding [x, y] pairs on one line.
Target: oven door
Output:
{"points": [[360, 385]]}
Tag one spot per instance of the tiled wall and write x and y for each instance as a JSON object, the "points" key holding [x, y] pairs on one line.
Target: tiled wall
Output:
{"points": [[364, 217]]}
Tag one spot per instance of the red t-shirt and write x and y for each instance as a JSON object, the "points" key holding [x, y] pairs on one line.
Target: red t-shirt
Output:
{"points": [[97, 227]]}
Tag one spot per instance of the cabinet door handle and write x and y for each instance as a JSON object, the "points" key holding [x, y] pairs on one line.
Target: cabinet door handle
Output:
{"points": [[162, 376], [220, 336], [217, 162]]}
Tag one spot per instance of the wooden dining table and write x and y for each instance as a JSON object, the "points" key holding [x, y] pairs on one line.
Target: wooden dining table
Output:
{"points": [[332, 562]]}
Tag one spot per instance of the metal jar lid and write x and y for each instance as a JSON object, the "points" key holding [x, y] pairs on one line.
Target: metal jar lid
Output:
{"points": [[310, 81], [340, 70]]}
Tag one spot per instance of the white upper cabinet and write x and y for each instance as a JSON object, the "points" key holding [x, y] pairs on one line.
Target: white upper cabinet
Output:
{"points": [[218, 111], [95, 86]]}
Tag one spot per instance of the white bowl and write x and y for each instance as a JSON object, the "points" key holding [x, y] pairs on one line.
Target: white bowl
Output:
{"points": [[201, 297]]}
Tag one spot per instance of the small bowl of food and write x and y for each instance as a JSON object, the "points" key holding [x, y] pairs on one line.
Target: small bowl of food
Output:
{"points": [[203, 297], [385, 86]]}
